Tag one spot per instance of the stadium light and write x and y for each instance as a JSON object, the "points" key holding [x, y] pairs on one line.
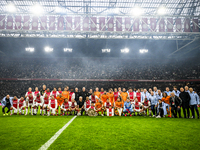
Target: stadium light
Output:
{"points": [[30, 49], [137, 11], [125, 50], [36, 9], [11, 8], [68, 50], [105, 50], [143, 50], [161, 10], [48, 49]]}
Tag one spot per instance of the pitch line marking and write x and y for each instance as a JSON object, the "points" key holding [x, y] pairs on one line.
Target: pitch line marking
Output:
{"points": [[56, 135]]}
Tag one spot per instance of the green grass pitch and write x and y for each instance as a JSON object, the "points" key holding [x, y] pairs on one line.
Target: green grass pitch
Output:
{"points": [[137, 132]]}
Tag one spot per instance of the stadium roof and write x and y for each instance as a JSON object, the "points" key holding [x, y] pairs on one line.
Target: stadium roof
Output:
{"points": [[173, 7]]}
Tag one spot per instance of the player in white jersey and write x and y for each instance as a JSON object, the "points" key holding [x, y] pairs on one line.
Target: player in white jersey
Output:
{"points": [[38, 102], [66, 107], [29, 92], [87, 104], [30, 103], [45, 103], [136, 107], [52, 106], [15, 106], [21, 105], [36, 91], [54, 93], [146, 105]]}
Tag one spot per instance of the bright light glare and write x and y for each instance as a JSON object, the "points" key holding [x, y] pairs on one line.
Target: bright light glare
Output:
{"points": [[67, 49], [105, 50], [11, 8], [48, 49], [125, 50], [59, 10], [137, 11], [143, 50], [114, 11], [30, 49], [36, 9], [161, 10]]}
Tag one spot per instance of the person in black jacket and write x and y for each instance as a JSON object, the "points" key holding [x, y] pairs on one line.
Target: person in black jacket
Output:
{"points": [[185, 97], [175, 103], [84, 94], [77, 94]]}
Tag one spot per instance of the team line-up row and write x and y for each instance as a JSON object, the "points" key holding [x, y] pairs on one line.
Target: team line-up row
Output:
{"points": [[111, 103]]}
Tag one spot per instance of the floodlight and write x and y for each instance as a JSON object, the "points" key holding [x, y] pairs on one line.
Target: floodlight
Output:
{"points": [[137, 11], [30, 49], [125, 50], [48, 49], [161, 11], [36, 9], [11, 8], [105, 50], [67, 49], [143, 50]]}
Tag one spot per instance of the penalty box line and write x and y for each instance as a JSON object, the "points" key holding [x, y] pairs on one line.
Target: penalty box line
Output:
{"points": [[56, 135]]}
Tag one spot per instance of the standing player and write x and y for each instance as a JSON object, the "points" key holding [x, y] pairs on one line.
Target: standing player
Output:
{"points": [[54, 93], [43, 90], [38, 102], [131, 95], [136, 105], [124, 96], [107, 105], [45, 104], [93, 98], [167, 91], [102, 91], [59, 90], [138, 95], [87, 104], [29, 92], [116, 94], [176, 91], [111, 96], [22, 105], [15, 105], [80, 105], [146, 105], [52, 106], [71, 95], [118, 106], [166, 100], [74, 107], [155, 90], [154, 101], [104, 97], [97, 93], [36, 91], [60, 99], [65, 93], [30, 104], [144, 95], [66, 107], [48, 92]]}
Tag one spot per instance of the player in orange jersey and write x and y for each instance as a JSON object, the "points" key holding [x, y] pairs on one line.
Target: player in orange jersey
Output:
{"points": [[60, 100], [99, 107], [104, 97], [111, 95], [65, 93], [97, 93]]}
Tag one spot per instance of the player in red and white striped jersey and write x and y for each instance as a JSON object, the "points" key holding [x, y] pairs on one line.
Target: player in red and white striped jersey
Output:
{"points": [[74, 107], [107, 105], [29, 92], [93, 98], [15, 105], [38, 102], [131, 95], [116, 94], [22, 105], [136, 107], [146, 105], [52, 106], [87, 104], [36, 91], [45, 103], [59, 90], [30, 103], [54, 93], [66, 107]]}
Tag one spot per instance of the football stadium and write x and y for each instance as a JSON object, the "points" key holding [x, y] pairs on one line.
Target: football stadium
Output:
{"points": [[99, 74]]}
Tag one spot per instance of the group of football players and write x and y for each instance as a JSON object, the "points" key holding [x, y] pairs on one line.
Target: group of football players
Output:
{"points": [[120, 102]]}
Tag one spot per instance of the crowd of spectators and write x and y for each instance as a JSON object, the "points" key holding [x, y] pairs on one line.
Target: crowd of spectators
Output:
{"points": [[91, 68]]}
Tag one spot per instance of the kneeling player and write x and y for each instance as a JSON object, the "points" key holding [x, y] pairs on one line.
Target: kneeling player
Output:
{"points": [[146, 105], [136, 107], [107, 106], [99, 107], [52, 106], [118, 107], [45, 104], [66, 107], [22, 105], [162, 109], [87, 105], [30, 103], [128, 107], [74, 107], [15, 106], [38, 102]]}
